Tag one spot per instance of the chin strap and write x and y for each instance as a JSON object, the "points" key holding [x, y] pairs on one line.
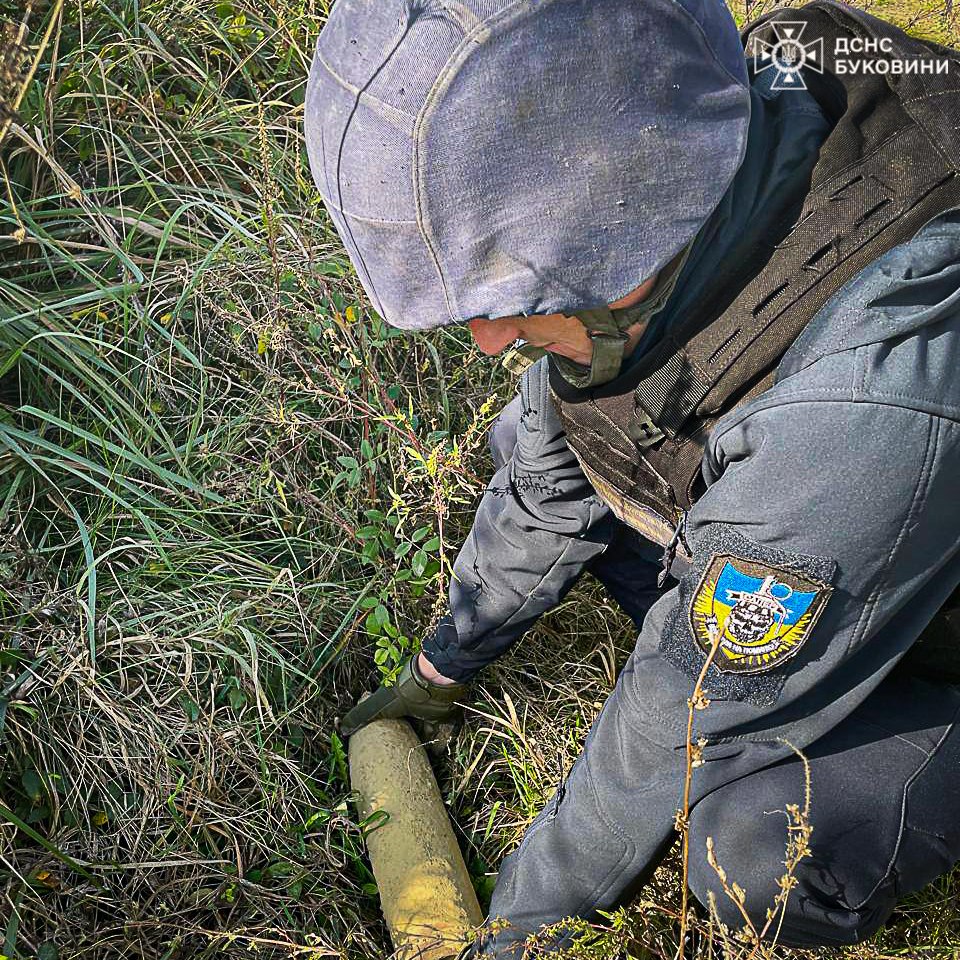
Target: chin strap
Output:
{"points": [[607, 329]]}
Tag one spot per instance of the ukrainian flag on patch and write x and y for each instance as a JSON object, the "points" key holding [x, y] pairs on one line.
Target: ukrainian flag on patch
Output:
{"points": [[757, 614]]}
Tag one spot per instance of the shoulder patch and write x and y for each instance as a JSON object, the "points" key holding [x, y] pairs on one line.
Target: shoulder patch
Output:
{"points": [[763, 612], [764, 601]]}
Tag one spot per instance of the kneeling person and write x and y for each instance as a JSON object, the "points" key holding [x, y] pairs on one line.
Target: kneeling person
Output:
{"points": [[739, 294]]}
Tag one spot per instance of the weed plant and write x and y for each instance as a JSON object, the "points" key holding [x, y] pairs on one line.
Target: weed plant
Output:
{"points": [[229, 501]]}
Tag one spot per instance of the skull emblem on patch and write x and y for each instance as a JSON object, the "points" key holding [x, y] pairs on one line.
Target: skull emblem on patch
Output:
{"points": [[758, 614]]}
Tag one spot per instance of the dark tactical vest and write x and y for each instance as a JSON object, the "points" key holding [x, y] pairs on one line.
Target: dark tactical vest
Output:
{"points": [[889, 164]]}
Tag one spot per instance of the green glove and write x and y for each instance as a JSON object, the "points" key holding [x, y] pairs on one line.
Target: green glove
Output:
{"points": [[411, 696]]}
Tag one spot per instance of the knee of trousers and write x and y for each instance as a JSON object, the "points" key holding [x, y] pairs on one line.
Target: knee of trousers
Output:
{"points": [[750, 847]]}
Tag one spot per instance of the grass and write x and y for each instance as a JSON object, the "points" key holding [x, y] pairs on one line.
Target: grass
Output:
{"points": [[229, 499]]}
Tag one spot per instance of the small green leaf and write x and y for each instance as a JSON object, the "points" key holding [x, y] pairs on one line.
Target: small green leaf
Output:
{"points": [[33, 784], [190, 708], [279, 868], [237, 699], [339, 756]]}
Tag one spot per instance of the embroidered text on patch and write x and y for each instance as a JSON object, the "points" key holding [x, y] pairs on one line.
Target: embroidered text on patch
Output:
{"points": [[764, 613]]}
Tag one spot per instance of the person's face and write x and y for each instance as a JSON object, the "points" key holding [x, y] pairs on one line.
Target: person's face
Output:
{"points": [[554, 332]]}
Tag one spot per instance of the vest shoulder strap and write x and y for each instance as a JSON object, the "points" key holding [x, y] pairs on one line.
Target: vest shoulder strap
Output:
{"points": [[880, 176]]}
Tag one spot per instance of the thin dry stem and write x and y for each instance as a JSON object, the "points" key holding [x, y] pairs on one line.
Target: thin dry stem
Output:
{"points": [[697, 701]]}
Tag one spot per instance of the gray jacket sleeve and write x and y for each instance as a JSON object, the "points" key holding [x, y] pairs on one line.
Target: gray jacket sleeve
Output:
{"points": [[537, 527]]}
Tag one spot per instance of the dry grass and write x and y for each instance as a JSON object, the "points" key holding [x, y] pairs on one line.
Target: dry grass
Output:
{"points": [[225, 489]]}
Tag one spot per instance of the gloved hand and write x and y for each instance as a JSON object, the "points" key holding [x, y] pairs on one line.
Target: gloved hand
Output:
{"points": [[437, 705]]}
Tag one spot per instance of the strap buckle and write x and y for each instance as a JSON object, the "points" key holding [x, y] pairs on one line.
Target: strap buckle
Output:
{"points": [[643, 431]]}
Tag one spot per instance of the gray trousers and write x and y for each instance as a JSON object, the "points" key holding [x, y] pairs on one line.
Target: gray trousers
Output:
{"points": [[885, 799], [885, 810]]}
